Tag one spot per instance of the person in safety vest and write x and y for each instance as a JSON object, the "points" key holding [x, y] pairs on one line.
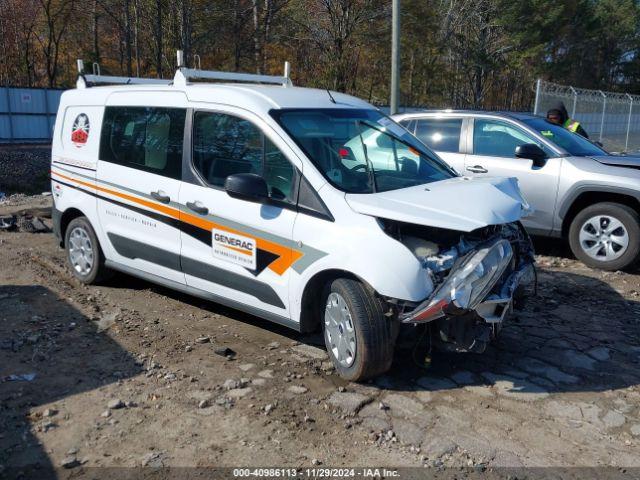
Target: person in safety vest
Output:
{"points": [[558, 114]]}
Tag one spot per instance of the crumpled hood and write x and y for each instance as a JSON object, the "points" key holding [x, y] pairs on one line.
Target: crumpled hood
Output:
{"points": [[619, 160], [461, 203]]}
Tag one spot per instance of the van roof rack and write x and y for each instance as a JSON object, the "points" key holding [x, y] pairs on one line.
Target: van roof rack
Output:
{"points": [[182, 77], [86, 80], [184, 74]]}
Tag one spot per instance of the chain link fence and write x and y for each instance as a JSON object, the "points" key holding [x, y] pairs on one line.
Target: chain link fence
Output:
{"points": [[610, 118]]}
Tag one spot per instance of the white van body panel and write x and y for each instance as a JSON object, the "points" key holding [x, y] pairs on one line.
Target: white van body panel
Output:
{"points": [[71, 160], [357, 245], [269, 289]]}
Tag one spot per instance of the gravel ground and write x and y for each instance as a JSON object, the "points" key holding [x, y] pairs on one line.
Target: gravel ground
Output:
{"points": [[24, 169], [129, 374]]}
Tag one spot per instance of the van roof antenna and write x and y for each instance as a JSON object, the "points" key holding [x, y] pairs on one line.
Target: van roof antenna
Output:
{"points": [[333, 100]]}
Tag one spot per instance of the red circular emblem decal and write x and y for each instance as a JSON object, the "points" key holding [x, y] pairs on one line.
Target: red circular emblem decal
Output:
{"points": [[80, 130]]}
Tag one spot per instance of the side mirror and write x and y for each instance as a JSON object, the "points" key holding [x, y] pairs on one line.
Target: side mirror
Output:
{"points": [[531, 151], [247, 186]]}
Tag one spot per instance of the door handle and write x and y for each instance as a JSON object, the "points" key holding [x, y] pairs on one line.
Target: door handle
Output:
{"points": [[197, 207], [477, 169], [161, 196]]}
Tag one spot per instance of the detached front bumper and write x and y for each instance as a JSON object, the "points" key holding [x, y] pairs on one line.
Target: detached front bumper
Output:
{"points": [[485, 281]]}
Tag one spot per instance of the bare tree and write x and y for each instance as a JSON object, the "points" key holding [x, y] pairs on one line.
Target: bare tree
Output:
{"points": [[56, 14], [157, 34], [95, 31], [475, 41], [264, 12], [336, 27]]}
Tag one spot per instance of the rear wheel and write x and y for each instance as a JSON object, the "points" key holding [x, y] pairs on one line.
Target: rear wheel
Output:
{"points": [[606, 236], [84, 254], [359, 337]]}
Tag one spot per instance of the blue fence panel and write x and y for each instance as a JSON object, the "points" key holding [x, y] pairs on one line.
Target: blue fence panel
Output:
{"points": [[27, 115]]}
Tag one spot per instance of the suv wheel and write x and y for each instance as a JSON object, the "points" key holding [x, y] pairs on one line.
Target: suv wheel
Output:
{"points": [[84, 254], [359, 337], [606, 236]]}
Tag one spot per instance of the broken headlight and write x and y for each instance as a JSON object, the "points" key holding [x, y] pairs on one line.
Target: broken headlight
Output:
{"points": [[468, 284]]}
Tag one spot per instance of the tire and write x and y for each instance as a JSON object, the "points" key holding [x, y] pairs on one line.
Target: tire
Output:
{"points": [[84, 253], [615, 253], [373, 334]]}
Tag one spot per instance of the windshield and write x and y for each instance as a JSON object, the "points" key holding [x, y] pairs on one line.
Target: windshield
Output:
{"points": [[573, 143], [362, 151]]}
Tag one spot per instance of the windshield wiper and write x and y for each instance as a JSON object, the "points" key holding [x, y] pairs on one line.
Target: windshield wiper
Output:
{"points": [[369, 164]]}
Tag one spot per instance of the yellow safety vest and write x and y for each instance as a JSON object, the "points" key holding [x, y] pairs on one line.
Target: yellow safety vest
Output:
{"points": [[571, 125]]}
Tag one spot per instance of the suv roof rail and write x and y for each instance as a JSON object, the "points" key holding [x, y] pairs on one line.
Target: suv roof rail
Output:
{"points": [[87, 80], [184, 74]]}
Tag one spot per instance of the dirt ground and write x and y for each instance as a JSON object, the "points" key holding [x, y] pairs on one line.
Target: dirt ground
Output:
{"points": [[131, 374]]}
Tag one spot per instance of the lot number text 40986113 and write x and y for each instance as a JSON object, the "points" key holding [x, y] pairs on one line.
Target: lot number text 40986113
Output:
{"points": [[315, 472]]}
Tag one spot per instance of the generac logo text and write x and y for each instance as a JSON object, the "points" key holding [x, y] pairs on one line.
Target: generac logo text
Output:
{"points": [[233, 242]]}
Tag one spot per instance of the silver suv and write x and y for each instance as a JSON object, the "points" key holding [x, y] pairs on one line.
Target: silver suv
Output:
{"points": [[578, 190]]}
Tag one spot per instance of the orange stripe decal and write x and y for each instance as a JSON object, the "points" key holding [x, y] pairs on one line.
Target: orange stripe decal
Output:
{"points": [[286, 256], [171, 212]]}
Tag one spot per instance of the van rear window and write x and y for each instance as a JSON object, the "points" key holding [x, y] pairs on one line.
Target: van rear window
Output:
{"points": [[144, 138]]}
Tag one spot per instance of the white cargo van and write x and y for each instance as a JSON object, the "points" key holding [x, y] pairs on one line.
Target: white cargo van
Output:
{"points": [[264, 197]]}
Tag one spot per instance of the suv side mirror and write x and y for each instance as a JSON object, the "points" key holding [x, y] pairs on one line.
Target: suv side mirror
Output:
{"points": [[247, 186], [531, 151]]}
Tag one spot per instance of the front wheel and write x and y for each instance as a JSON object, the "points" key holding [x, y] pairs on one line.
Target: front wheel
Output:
{"points": [[359, 337], [606, 236]]}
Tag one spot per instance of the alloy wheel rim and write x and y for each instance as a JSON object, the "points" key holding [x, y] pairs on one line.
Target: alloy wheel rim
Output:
{"points": [[339, 331], [604, 238], [80, 251]]}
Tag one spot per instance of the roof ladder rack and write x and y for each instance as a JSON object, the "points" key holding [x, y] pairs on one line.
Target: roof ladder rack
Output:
{"points": [[87, 80], [183, 75]]}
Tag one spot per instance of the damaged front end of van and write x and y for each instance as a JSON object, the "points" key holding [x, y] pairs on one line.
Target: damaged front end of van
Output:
{"points": [[477, 257], [477, 282]]}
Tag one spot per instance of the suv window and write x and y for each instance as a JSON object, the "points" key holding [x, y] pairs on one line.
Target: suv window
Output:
{"points": [[498, 139], [143, 138], [441, 134], [224, 144]]}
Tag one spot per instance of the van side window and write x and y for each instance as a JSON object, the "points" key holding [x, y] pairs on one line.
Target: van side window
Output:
{"points": [[144, 138], [224, 145], [278, 173]]}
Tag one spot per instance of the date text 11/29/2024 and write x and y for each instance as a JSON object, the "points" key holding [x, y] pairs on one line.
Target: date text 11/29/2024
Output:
{"points": [[315, 472]]}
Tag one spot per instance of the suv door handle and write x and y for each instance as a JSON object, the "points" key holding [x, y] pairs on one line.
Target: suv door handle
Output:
{"points": [[197, 207], [477, 169], [161, 196]]}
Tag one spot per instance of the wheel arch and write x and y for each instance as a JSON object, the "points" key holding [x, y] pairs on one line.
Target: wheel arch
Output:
{"points": [[310, 306], [66, 218], [587, 196]]}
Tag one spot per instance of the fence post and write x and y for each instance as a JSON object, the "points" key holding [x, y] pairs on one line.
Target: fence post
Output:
{"points": [[535, 105], [575, 101], [6, 90], [626, 143], [604, 109]]}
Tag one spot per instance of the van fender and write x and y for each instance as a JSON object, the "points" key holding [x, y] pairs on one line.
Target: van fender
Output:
{"points": [[364, 252]]}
